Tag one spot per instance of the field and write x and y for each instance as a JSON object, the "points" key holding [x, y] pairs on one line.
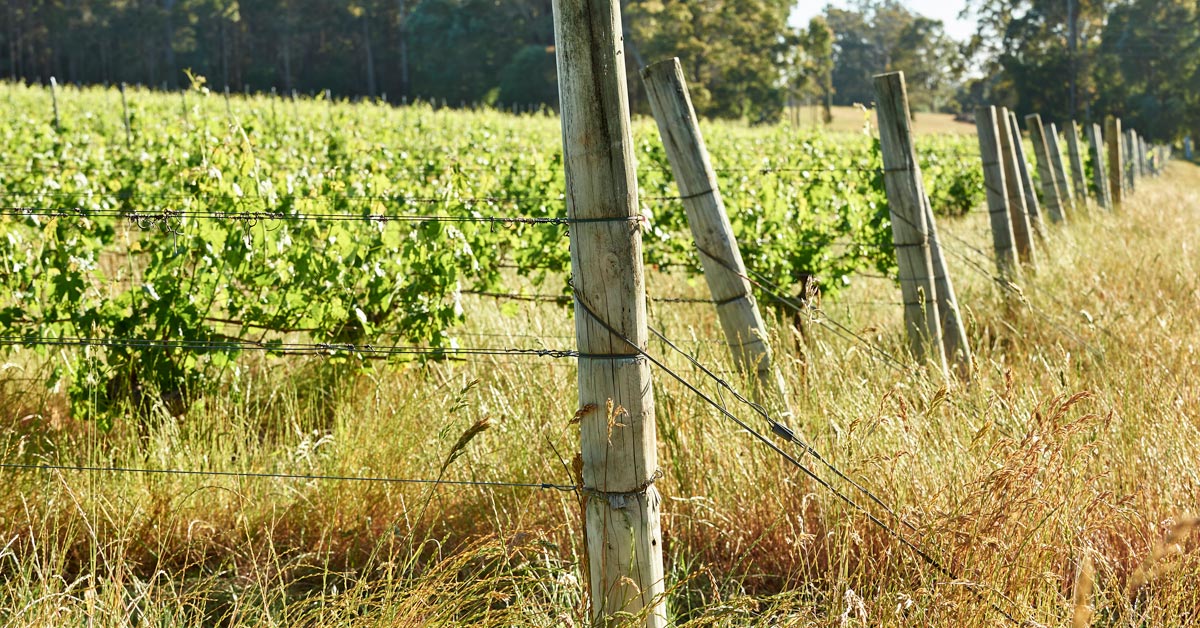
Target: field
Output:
{"points": [[851, 119], [1057, 485]]}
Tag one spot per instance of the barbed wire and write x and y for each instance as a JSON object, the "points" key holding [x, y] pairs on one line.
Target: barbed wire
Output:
{"points": [[281, 348], [286, 476], [789, 435], [148, 219]]}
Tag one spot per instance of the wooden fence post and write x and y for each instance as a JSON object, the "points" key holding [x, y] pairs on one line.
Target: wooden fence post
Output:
{"points": [[1128, 158], [125, 117], [910, 228], [1031, 200], [997, 191], [54, 102], [1050, 190], [1116, 170], [1077, 174], [1143, 158], [1018, 214], [620, 457], [724, 270], [1060, 172], [1099, 165]]}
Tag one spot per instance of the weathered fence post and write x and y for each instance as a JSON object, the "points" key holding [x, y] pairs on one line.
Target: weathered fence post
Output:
{"points": [[1018, 214], [620, 458], [1116, 170], [54, 102], [1060, 172], [724, 270], [1050, 190], [1031, 200], [1077, 173], [125, 117], [1099, 165], [228, 107], [1128, 158], [1143, 158], [997, 191], [910, 227], [1187, 148]]}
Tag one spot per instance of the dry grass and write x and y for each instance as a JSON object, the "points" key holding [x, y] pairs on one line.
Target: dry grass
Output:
{"points": [[1062, 478], [851, 120]]}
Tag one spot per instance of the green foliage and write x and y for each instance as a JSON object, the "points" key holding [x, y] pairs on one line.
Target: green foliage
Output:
{"points": [[732, 51], [258, 227], [873, 36], [530, 77]]}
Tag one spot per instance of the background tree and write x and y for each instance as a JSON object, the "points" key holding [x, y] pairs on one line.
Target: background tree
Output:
{"points": [[873, 36]]}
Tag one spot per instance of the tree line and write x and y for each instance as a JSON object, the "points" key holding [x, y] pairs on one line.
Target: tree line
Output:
{"points": [[1139, 59]]}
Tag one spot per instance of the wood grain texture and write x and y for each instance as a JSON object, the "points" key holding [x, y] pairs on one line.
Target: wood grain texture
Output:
{"points": [[724, 269], [910, 226], [1116, 176], [1061, 177], [1018, 215], [997, 191], [1032, 206], [618, 439], [1045, 168]]}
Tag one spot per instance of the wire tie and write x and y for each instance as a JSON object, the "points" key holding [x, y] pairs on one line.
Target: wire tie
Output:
{"points": [[616, 500], [632, 358], [783, 431], [697, 195], [747, 296]]}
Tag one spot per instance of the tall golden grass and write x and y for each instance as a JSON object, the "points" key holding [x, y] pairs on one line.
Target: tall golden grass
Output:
{"points": [[1059, 484]]}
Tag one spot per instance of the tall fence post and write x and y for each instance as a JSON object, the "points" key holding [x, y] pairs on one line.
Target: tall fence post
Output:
{"points": [[724, 270], [1076, 156], [1129, 158], [1143, 158], [618, 440], [910, 227], [1099, 165], [1018, 214], [997, 191], [125, 117], [1031, 200], [1060, 171], [1187, 148], [1050, 189], [54, 102], [1116, 170]]}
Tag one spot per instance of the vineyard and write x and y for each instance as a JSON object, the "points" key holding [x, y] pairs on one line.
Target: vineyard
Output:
{"points": [[317, 358]]}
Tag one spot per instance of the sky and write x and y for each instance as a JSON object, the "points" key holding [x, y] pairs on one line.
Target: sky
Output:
{"points": [[945, 10]]}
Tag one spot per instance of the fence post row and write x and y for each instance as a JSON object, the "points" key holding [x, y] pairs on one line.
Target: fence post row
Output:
{"points": [[997, 191], [1031, 199], [1050, 189], [1116, 170], [1018, 214], [617, 427], [1099, 165], [1078, 178], [1060, 172], [910, 227], [724, 270]]}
